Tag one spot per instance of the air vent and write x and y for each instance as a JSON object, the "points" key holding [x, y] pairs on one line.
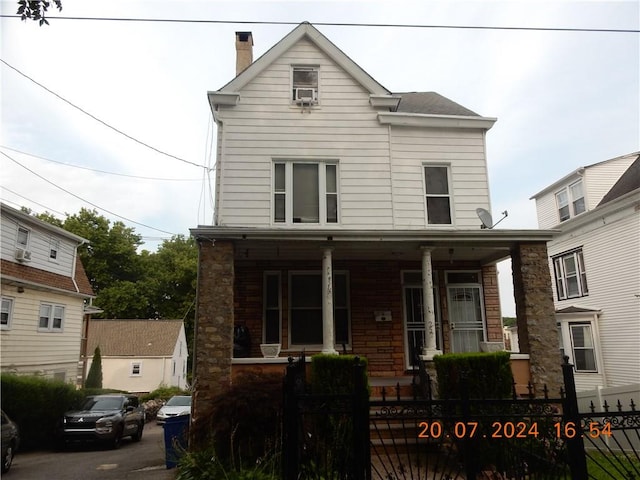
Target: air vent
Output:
{"points": [[306, 95], [23, 255]]}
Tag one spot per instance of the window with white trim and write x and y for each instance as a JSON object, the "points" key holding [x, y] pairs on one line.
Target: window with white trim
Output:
{"points": [[305, 308], [437, 194], [136, 369], [570, 275], [51, 318], [54, 247], [304, 82], [22, 239], [570, 201], [6, 313], [305, 192], [577, 340]]}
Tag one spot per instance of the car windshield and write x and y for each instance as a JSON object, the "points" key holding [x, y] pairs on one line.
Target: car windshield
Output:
{"points": [[102, 403], [179, 402]]}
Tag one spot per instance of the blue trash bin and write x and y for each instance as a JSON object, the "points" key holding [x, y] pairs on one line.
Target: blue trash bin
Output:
{"points": [[176, 439]]}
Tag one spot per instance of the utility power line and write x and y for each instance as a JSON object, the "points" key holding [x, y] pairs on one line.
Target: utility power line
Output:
{"points": [[100, 121], [345, 24], [84, 200], [101, 171]]}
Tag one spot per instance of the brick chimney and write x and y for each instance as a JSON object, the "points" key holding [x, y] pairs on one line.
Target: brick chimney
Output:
{"points": [[244, 51]]}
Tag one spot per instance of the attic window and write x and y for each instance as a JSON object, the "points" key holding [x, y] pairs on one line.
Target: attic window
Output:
{"points": [[305, 85]]}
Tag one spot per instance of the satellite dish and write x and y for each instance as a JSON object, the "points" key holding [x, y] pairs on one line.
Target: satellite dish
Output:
{"points": [[486, 218]]}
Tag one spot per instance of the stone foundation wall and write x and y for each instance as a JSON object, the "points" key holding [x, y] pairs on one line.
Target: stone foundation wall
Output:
{"points": [[537, 332], [213, 329]]}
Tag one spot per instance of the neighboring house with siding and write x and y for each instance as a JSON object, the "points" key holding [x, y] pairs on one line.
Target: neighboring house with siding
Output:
{"points": [[595, 265], [44, 294], [345, 220], [139, 355]]}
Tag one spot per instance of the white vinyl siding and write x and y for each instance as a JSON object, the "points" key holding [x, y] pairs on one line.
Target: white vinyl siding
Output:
{"points": [[265, 125], [40, 242], [614, 275], [25, 349], [463, 151]]}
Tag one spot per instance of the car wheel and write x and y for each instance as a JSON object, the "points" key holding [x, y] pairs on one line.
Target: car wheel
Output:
{"points": [[7, 458], [116, 441], [138, 435]]}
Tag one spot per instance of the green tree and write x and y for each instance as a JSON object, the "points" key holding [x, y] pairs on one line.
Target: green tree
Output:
{"points": [[94, 378], [36, 10]]}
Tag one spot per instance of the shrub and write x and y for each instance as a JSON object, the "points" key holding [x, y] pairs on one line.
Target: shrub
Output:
{"points": [[94, 378], [205, 465], [487, 375], [164, 393], [37, 404], [244, 423], [333, 374]]}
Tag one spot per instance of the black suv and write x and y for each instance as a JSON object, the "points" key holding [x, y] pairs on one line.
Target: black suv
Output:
{"points": [[105, 418]]}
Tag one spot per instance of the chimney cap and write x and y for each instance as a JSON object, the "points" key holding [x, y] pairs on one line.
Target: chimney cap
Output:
{"points": [[244, 37]]}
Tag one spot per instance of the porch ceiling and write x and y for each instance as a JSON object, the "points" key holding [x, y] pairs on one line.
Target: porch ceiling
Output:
{"points": [[482, 246]]}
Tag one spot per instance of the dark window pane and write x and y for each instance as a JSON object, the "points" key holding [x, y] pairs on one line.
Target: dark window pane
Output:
{"points": [[306, 327], [436, 180], [272, 326], [305, 77], [306, 208], [462, 277], [564, 213], [306, 291], [339, 290], [332, 186], [341, 325], [273, 290], [332, 208], [578, 206], [438, 210], [279, 181], [279, 208]]}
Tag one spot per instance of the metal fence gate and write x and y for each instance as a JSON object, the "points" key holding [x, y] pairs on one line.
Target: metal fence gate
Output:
{"points": [[354, 438]]}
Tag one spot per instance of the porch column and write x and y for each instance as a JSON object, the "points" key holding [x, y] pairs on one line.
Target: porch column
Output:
{"points": [[327, 303], [429, 350]]}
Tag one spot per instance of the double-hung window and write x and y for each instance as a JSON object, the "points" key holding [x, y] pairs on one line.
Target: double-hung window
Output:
{"points": [[136, 369], [570, 201], [570, 275], [22, 240], [54, 248], [578, 342], [51, 317], [438, 195], [305, 192], [6, 313], [305, 84], [305, 308]]}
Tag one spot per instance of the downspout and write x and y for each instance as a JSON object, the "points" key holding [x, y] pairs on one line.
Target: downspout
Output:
{"points": [[393, 197], [219, 169]]}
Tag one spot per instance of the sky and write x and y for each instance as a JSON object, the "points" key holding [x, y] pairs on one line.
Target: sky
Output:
{"points": [[95, 112]]}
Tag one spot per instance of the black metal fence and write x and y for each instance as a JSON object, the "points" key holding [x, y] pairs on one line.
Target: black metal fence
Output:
{"points": [[354, 438]]}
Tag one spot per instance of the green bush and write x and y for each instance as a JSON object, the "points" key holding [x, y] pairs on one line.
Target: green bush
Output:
{"points": [[164, 393], [333, 374], [37, 404], [487, 375], [205, 465], [244, 423], [94, 378]]}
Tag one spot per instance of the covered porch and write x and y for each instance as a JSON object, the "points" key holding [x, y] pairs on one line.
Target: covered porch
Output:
{"points": [[384, 295]]}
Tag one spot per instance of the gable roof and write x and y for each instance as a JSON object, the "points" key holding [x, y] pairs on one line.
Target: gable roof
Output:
{"points": [[628, 182], [133, 338], [431, 103], [34, 221], [308, 31]]}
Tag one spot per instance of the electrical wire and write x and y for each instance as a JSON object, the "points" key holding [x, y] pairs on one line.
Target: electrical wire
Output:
{"points": [[84, 200], [99, 120], [33, 201], [100, 171], [346, 24]]}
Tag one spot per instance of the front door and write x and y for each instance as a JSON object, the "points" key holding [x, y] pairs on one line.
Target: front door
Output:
{"points": [[466, 311], [414, 325]]}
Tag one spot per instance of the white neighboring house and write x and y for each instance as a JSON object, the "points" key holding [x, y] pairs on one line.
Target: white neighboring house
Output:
{"points": [[139, 355], [44, 292], [595, 265]]}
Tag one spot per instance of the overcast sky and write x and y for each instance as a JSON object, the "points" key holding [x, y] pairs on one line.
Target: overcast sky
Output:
{"points": [[562, 99]]}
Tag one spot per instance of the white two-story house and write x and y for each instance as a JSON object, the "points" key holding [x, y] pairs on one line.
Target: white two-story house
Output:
{"points": [[346, 221], [595, 267], [44, 291]]}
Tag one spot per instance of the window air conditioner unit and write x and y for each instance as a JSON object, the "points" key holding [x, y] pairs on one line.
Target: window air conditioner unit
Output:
{"points": [[23, 255], [306, 95]]}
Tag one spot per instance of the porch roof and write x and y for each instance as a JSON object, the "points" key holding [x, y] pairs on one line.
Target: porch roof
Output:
{"points": [[482, 245]]}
